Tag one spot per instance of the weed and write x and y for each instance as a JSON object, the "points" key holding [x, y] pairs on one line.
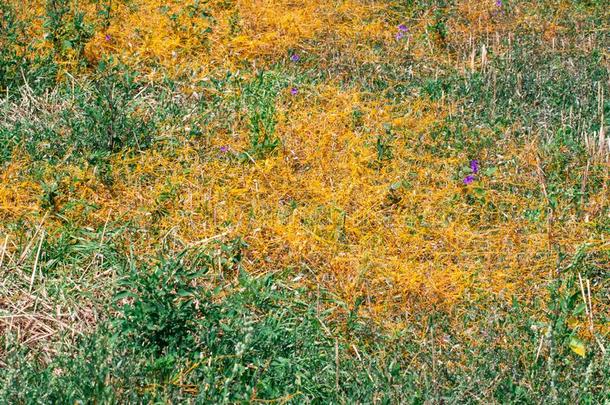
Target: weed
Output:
{"points": [[11, 34], [161, 311], [383, 145], [66, 29], [110, 119], [259, 96]]}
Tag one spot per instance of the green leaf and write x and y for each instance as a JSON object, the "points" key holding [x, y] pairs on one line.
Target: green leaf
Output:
{"points": [[480, 191], [396, 186], [579, 309], [185, 293], [123, 294], [578, 347], [490, 171]]}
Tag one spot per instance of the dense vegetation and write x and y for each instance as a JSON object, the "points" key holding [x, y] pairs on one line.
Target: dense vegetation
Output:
{"points": [[352, 201]]}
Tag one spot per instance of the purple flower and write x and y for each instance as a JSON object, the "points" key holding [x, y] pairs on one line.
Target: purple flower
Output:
{"points": [[474, 166], [399, 35], [107, 37], [295, 57], [403, 28], [468, 179], [224, 149], [498, 3], [294, 91]]}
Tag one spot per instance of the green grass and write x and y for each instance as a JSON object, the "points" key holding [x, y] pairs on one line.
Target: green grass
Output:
{"points": [[196, 327]]}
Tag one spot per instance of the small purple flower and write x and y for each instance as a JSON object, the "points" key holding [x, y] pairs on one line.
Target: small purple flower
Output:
{"points": [[403, 28], [468, 179], [224, 149], [107, 37], [498, 3], [294, 91], [474, 166], [295, 57], [399, 35]]}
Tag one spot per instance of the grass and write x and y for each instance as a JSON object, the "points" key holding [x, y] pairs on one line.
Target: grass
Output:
{"points": [[196, 327], [188, 213]]}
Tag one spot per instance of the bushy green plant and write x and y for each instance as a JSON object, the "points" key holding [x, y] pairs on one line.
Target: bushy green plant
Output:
{"points": [[160, 307], [66, 28], [10, 40], [260, 96], [110, 118], [94, 119]]}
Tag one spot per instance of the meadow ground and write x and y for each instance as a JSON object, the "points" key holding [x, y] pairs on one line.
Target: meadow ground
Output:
{"points": [[274, 201]]}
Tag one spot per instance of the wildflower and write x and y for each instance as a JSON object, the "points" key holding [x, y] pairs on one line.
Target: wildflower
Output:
{"points": [[295, 57], [107, 37], [294, 91], [498, 3], [399, 35], [468, 179], [402, 28], [474, 166], [224, 149]]}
